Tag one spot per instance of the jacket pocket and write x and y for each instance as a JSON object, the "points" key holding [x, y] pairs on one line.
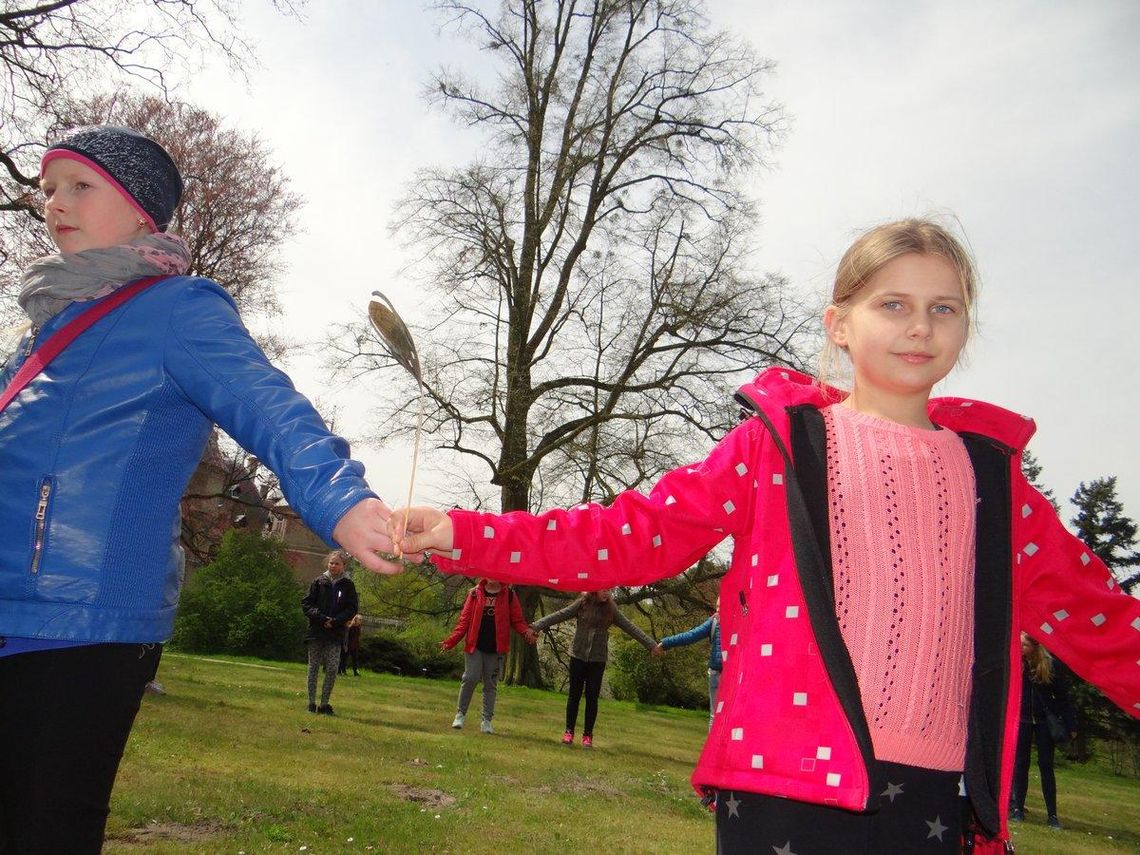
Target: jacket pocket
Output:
{"points": [[40, 523]]}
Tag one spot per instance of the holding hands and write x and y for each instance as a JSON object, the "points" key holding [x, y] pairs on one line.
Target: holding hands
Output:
{"points": [[413, 530], [363, 533]]}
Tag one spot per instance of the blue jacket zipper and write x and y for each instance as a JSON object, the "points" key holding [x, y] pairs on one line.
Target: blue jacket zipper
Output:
{"points": [[35, 331], [41, 525]]}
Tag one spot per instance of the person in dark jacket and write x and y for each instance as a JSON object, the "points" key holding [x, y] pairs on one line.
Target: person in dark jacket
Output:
{"points": [[99, 435], [330, 604], [589, 651], [1047, 718], [710, 629], [350, 648]]}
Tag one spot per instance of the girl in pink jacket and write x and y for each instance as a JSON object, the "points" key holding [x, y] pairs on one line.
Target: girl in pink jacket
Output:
{"points": [[887, 553]]}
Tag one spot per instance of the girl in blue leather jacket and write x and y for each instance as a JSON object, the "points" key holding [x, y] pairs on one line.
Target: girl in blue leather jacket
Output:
{"points": [[95, 452]]}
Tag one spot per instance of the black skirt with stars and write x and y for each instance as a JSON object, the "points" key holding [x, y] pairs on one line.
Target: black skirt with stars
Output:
{"points": [[921, 812]]}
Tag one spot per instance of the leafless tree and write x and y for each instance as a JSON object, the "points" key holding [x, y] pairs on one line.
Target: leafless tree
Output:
{"points": [[55, 52], [590, 271]]}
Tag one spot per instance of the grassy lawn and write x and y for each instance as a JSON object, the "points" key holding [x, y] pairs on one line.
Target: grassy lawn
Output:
{"points": [[229, 762]]}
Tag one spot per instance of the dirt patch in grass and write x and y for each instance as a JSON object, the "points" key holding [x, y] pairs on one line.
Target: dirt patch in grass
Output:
{"points": [[175, 832], [578, 785], [423, 795]]}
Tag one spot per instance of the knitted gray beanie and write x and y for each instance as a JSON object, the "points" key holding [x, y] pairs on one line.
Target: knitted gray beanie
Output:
{"points": [[139, 167]]}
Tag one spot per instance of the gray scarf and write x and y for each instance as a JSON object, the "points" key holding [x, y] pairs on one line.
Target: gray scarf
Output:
{"points": [[54, 282]]}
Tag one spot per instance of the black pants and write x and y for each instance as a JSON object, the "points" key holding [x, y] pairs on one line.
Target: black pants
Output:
{"points": [[920, 811], [588, 676], [64, 720], [1030, 732]]}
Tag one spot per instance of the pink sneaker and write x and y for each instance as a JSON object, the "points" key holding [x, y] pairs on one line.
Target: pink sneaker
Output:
{"points": [[568, 738], [587, 741]]}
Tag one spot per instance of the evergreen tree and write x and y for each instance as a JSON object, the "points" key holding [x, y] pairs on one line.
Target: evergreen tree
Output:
{"points": [[1100, 522]]}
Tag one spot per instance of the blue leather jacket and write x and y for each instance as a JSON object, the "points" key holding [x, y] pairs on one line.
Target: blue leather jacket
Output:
{"points": [[96, 452]]}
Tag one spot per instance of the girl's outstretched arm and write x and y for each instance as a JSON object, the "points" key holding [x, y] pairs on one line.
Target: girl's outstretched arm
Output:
{"points": [[563, 614], [634, 541], [1073, 606], [633, 630]]}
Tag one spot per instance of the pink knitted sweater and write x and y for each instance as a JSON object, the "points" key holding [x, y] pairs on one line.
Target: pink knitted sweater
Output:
{"points": [[901, 504]]}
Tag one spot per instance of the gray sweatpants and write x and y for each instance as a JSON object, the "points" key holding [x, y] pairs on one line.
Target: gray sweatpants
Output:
{"points": [[480, 666], [326, 653]]}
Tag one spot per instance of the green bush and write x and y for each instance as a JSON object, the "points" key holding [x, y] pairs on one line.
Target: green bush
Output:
{"points": [[245, 601], [677, 679], [412, 651]]}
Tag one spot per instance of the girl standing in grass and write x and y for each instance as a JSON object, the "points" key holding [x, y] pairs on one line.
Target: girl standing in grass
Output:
{"points": [[489, 613], [595, 613], [97, 444], [1047, 719], [887, 553]]}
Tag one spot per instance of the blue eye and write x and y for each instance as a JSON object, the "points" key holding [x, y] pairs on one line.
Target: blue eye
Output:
{"points": [[891, 305], [944, 310]]}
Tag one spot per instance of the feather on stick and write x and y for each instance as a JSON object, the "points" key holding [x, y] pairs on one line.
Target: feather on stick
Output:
{"points": [[398, 343]]}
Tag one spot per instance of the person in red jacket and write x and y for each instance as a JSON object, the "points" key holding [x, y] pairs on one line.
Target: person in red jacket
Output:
{"points": [[489, 613], [887, 552]]}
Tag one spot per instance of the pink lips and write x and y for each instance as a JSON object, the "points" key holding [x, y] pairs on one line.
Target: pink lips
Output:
{"points": [[916, 358]]}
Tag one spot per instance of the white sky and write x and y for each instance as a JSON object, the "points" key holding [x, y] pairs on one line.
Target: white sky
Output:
{"points": [[1020, 117]]}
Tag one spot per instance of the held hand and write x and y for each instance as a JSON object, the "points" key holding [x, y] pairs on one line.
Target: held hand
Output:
{"points": [[443, 646], [363, 532], [657, 649], [530, 636], [425, 528]]}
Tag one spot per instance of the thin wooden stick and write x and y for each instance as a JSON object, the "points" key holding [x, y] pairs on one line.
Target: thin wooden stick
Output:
{"points": [[398, 342]]}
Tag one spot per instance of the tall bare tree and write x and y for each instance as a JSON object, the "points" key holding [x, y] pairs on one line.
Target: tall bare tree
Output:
{"points": [[55, 52], [591, 268]]}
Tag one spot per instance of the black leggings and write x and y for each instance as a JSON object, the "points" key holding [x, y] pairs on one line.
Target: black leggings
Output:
{"points": [[919, 812], [1030, 732], [64, 720], [588, 676]]}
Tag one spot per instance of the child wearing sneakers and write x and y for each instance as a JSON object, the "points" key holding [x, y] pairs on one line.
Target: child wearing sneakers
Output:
{"points": [[595, 612], [490, 612]]}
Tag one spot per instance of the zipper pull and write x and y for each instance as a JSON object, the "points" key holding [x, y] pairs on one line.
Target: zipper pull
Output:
{"points": [[32, 333], [743, 603], [41, 508]]}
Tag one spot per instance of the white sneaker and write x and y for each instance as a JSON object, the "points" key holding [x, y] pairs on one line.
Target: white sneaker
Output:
{"points": [[485, 726], [459, 719]]}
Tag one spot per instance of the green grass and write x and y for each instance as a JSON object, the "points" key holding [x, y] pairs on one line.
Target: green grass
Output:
{"points": [[229, 761]]}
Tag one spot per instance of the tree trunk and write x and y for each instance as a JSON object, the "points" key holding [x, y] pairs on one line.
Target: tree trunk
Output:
{"points": [[522, 668]]}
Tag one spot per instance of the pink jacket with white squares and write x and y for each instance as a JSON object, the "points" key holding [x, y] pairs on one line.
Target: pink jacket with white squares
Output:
{"points": [[789, 721]]}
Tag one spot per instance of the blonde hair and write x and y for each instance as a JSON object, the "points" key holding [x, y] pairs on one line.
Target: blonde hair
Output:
{"points": [[338, 553], [879, 246], [1038, 662]]}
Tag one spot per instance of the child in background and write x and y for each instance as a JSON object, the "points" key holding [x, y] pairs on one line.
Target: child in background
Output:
{"points": [[710, 629], [489, 613], [96, 447], [887, 553], [329, 605], [589, 651], [351, 647], [1047, 718]]}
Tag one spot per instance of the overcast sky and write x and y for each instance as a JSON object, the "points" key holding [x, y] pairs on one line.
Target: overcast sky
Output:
{"points": [[1021, 119]]}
